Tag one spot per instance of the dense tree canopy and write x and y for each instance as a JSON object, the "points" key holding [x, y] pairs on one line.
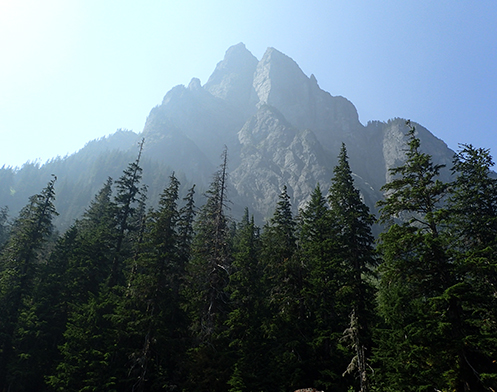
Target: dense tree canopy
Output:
{"points": [[183, 298]]}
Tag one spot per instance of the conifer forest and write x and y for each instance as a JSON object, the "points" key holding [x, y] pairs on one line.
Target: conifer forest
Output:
{"points": [[181, 297]]}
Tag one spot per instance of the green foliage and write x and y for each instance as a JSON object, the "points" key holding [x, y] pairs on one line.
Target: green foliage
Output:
{"points": [[89, 348], [248, 315], [206, 295], [416, 269], [326, 313], [472, 221], [128, 193], [94, 246], [165, 298], [284, 278], [19, 273], [352, 231], [4, 226], [429, 297], [148, 317]]}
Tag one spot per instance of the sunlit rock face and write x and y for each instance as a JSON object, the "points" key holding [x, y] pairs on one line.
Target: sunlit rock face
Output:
{"points": [[281, 129], [232, 80], [280, 82]]}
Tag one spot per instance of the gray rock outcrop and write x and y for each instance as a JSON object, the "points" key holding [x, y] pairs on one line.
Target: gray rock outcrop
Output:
{"points": [[280, 128]]}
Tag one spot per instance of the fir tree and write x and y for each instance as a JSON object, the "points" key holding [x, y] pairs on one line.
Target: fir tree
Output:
{"points": [[148, 318], [186, 229], [4, 226], [325, 319], [90, 353], [284, 278], [472, 221], [128, 192], [414, 351], [352, 222], [205, 292], [20, 262], [89, 265], [248, 312]]}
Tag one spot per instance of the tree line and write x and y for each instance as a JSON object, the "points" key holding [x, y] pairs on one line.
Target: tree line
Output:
{"points": [[183, 298]]}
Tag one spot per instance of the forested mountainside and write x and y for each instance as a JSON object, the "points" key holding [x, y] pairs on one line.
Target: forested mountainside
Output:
{"points": [[280, 128], [183, 298], [232, 245]]}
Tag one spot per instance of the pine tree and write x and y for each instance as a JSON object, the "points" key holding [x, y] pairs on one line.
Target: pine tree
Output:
{"points": [[4, 226], [128, 192], [54, 295], [414, 352], [325, 319], [185, 230], [90, 353], [207, 299], [148, 318], [352, 221], [284, 278], [472, 221], [473, 199], [88, 254], [20, 262], [89, 265], [248, 312]]}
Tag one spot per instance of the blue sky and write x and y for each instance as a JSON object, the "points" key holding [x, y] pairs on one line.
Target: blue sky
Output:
{"points": [[75, 70]]}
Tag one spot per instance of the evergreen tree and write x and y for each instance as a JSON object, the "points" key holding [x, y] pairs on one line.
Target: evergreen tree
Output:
{"points": [[88, 252], [90, 353], [19, 265], [205, 292], [352, 222], [128, 192], [186, 229], [325, 319], [4, 226], [284, 278], [149, 318], [89, 265], [472, 219], [248, 312], [54, 295], [415, 351], [473, 199]]}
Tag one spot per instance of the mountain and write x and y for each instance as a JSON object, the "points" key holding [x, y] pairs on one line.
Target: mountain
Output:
{"points": [[279, 126]]}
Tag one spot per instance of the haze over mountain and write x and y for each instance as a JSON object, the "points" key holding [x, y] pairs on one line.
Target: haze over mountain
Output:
{"points": [[279, 126]]}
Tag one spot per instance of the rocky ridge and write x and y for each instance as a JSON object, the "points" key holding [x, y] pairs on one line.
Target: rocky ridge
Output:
{"points": [[280, 128]]}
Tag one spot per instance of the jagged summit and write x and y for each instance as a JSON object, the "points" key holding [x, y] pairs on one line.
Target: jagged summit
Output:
{"points": [[232, 77], [280, 128]]}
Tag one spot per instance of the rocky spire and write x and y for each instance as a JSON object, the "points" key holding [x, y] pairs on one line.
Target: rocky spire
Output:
{"points": [[281, 83], [232, 78]]}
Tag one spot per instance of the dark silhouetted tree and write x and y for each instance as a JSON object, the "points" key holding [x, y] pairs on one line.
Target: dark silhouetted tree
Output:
{"points": [[19, 266]]}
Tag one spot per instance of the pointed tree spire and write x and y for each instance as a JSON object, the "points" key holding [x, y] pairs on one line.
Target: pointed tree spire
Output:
{"points": [[352, 223], [19, 264]]}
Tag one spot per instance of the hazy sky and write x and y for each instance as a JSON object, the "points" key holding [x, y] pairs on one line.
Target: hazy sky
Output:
{"points": [[75, 70]]}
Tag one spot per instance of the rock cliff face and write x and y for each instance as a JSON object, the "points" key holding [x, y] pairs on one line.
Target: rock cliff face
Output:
{"points": [[280, 128]]}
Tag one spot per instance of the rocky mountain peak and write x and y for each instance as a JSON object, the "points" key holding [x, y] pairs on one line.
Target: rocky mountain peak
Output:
{"points": [[281, 83], [276, 75], [194, 84], [232, 77], [281, 129]]}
